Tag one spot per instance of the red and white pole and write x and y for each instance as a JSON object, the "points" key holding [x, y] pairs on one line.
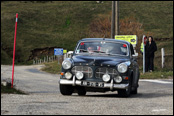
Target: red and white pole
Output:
{"points": [[14, 49]]}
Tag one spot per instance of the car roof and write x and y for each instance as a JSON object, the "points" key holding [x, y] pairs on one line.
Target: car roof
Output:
{"points": [[104, 39]]}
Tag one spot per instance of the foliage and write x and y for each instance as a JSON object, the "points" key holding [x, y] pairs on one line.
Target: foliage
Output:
{"points": [[63, 23]]}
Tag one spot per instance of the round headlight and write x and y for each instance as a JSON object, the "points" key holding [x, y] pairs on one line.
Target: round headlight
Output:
{"points": [[66, 64], [106, 77], [79, 75], [68, 75], [122, 68], [118, 79]]}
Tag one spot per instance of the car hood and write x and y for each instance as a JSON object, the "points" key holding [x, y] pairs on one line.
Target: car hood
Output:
{"points": [[99, 60]]}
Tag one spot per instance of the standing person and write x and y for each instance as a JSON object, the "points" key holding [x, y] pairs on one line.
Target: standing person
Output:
{"points": [[150, 49], [142, 46]]}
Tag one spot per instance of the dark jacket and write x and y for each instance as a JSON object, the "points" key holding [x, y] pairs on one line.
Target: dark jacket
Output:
{"points": [[150, 49]]}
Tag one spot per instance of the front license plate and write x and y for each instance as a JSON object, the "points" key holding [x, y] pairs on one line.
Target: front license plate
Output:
{"points": [[92, 84]]}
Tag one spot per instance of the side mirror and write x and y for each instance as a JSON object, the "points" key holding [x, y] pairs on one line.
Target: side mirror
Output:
{"points": [[69, 54]]}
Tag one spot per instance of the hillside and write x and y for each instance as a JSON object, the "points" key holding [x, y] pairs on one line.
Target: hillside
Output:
{"points": [[63, 23]]}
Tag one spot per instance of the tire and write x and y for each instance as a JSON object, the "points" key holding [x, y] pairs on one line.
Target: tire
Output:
{"points": [[66, 89], [135, 91], [81, 91], [125, 92]]}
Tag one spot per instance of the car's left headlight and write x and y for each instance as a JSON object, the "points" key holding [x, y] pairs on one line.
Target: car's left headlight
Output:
{"points": [[122, 68], [66, 64]]}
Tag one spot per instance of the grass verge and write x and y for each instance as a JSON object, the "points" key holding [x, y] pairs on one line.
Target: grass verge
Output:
{"points": [[157, 75], [9, 90], [52, 67]]}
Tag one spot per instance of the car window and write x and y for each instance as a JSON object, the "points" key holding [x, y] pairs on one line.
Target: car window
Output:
{"points": [[102, 47]]}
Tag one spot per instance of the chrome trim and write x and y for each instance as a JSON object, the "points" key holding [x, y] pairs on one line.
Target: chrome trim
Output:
{"points": [[106, 85], [112, 84], [74, 81]]}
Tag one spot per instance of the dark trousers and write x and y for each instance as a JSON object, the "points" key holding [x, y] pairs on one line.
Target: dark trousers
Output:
{"points": [[149, 64]]}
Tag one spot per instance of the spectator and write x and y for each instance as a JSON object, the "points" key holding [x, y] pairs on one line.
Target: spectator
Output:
{"points": [[142, 47], [150, 49]]}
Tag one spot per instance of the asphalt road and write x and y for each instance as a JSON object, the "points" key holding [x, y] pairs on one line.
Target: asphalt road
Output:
{"points": [[155, 97]]}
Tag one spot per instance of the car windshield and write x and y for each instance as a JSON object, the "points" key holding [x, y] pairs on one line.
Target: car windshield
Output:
{"points": [[102, 47]]}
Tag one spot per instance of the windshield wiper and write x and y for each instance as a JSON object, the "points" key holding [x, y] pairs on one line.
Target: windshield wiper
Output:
{"points": [[83, 50], [98, 51], [103, 52]]}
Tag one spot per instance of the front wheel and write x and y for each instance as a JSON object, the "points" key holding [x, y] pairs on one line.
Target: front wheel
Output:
{"points": [[81, 91], [66, 89], [125, 92], [135, 91]]}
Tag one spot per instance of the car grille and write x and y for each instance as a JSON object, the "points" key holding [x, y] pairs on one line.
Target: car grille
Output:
{"points": [[85, 69], [101, 71]]}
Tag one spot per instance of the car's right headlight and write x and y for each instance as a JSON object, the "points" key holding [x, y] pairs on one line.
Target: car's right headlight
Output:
{"points": [[66, 64], [122, 68]]}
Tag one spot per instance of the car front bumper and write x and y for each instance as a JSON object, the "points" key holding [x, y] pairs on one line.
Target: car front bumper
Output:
{"points": [[110, 85]]}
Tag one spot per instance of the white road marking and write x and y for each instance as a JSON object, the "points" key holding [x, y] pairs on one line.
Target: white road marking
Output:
{"points": [[158, 110], [156, 81]]}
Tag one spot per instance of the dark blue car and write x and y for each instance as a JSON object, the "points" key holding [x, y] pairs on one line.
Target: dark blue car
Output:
{"points": [[100, 65]]}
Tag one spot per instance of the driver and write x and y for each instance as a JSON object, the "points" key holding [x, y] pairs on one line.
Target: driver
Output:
{"points": [[90, 49]]}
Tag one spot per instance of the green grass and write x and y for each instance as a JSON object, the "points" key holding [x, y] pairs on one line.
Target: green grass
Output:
{"points": [[157, 75], [9, 90], [63, 23], [156, 16], [52, 67]]}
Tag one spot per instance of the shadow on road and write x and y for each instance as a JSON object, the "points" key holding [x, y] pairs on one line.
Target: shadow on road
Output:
{"points": [[139, 95]]}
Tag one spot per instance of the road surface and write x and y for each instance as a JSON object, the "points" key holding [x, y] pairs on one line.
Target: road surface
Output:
{"points": [[155, 97]]}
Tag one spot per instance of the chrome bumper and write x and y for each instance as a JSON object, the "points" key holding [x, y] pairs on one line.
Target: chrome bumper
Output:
{"points": [[110, 85]]}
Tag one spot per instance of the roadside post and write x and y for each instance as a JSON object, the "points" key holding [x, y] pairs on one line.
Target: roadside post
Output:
{"points": [[144, 54], [163, 57], [14, 49], [65, 54], [58, 52]]}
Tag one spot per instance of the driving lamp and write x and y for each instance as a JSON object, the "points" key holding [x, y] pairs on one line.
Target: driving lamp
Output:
{"points": [[79, 75], [106, 77], [118, 79], [68, 75]]}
